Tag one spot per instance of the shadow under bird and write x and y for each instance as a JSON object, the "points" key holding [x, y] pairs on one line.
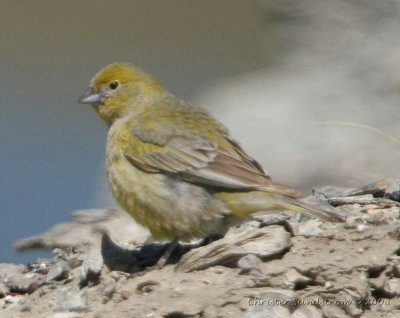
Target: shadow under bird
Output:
{"points": [[173, 167]]}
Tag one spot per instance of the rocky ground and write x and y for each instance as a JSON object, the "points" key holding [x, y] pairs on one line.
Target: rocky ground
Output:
{"points": [[270, 266]]}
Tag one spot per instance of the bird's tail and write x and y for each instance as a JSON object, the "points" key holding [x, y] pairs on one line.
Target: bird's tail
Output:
{"points": [[304, 208], [242, 204]]}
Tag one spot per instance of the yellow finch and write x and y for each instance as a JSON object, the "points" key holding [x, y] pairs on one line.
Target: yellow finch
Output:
{"points": [[174, 168]]}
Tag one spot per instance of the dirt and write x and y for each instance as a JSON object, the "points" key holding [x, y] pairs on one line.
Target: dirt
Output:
{"points": [[270, 266]]}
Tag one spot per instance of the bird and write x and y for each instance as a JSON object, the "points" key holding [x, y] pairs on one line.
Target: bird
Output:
{"points": [[175, 168]]}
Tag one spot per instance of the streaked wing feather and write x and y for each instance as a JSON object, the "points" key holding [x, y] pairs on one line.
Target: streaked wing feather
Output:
{"points": [[197, 159], [226, 169], [249, 160]]}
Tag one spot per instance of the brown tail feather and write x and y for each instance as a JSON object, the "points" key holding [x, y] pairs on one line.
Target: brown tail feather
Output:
{"points": [[301, 207], [246, 203]]}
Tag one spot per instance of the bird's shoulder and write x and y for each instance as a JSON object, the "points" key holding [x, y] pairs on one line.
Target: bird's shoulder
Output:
{"points": [[171, 118]]}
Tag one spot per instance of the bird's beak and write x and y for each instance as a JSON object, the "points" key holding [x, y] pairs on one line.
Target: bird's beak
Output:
{"points": [[90, 96]]}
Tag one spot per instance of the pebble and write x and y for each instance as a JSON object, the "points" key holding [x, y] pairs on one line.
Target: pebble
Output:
{"points": [[392, 190], [392, 287], [362, 227], [267, 219], [125, 294], [249, 262], [108, 289], [146, 286], [25, 308], [396, 270], [218, 270], [59, 271], [24, 284], [74, 262], [293, 278], [9, 299], [33, 287]]}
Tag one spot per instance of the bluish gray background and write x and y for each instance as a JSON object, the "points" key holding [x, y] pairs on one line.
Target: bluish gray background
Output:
{"points": [[52, 148]]}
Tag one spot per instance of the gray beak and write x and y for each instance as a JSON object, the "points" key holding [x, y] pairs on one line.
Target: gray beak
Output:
{"points": [[90, 96]]}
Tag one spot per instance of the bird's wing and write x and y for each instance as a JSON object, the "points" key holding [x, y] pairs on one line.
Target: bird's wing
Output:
{"points": [[209, 158]]}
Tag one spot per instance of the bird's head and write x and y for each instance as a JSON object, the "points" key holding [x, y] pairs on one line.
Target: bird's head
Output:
{"points": [[120, 88]]}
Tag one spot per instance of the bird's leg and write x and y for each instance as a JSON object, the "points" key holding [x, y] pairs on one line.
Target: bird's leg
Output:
{"points": [[210, 238], [164, 258]]}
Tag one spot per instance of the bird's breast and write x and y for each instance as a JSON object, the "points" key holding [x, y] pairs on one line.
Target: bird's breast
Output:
{"points": [[131, 187], [166, 205]]}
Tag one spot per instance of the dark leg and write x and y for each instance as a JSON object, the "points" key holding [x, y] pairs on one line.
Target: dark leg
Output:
{"points": [[210, 238], [164, 258]]}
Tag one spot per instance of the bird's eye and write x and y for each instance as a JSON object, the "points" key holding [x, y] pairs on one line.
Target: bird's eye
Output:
{"points": [[113, 85]]}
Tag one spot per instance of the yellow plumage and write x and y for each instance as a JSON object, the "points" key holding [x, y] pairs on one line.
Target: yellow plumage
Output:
{"points": [[173, 167]]}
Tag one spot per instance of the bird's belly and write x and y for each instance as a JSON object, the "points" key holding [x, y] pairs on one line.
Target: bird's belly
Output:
{"points": [[167, 206]]}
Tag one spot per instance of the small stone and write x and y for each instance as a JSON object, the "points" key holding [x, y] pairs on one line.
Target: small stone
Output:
{"points": [[384, 216], [267, 219], [146, 286], [378, 282], [353, 311], [294, 279], [59, 271], [116, 275], [393, 258], [177, 292], [328, 285], [362, 227], [392, 190], [125, 294], [392, 287], [22, 285], [108, 289], [356, 200], [249, 262], [25, 308], [9, 299], [42, 266], [218, 270], [33, 287], [74, 262], [396, 271]]}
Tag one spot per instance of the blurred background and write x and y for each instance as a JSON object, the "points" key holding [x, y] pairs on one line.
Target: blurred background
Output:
{"points": [[274, 71]]}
